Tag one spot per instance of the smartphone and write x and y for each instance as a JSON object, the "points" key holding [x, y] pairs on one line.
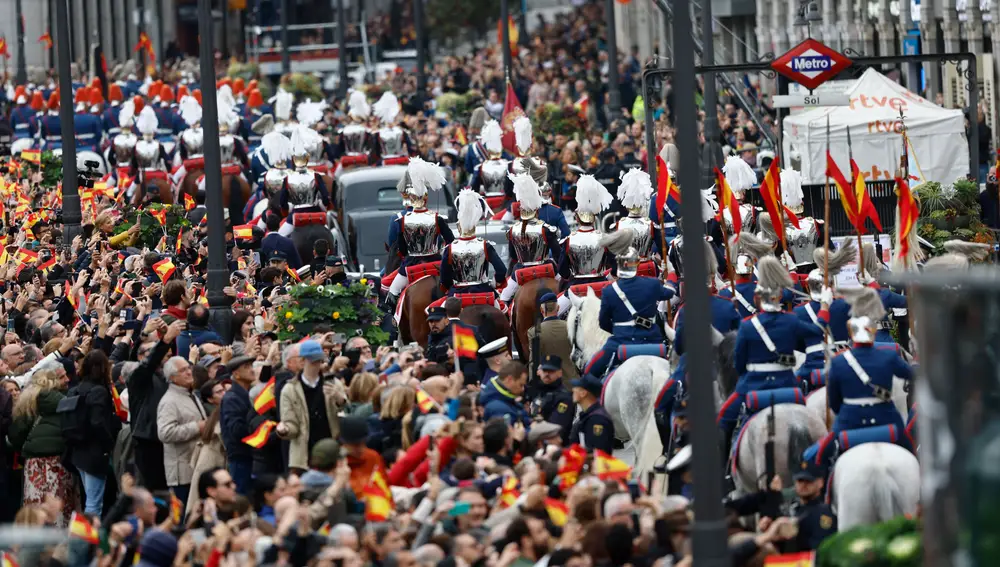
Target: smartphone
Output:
{"points": [[10, 324], [459, 509]]}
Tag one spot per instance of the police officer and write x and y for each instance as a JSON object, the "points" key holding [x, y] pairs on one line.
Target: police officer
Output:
{"points": [[439, 340], [629, 159], [764, 354], [859, 383], [628, 306], [816, 519], [594, 429], [608, 173], [549, 399]]}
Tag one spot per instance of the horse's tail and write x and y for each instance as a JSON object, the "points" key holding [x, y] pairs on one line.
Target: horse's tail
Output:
{"points": [[886, 498], [799, 439]]}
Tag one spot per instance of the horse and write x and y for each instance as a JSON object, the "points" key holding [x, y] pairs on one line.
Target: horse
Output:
{"points": [[524, 309], [585, 332], [873, 483], [189, 185], [796, 428], [486, 316], [236, 193], [305, 237], [412, 312], [158, 190]]}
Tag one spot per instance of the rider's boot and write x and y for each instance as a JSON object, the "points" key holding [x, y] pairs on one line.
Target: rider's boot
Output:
{"points": [[389, 305], [663, 428]]}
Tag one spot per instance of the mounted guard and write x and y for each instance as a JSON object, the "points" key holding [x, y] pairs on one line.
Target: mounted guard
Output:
{"points": [[309, 114], [150, 161], [895, 304], [474, 153], [191, 156], [465, 262], [284, 102], [22, 122], [50, 126], [122, 154], [354, 145], [740, 177], [490, 178], [392, 145], [303, 199], [539, 171], [802, 241], [531, 243], [585, 262], [634, 192], [276, 145], [745, 250]]}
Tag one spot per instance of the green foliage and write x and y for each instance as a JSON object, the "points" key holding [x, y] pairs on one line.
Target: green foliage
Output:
{"points": [[152, 232], [448, 19], [459, 107], [351, 310], [51, 170], [949, 213], [552, 119], [896, 542], [303, 86], [967, 192]]}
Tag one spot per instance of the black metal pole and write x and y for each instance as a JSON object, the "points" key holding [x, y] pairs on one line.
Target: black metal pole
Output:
{"points": [[711, 98], [614, 94], [709, 529], [85, 33], [71, 199], [342, 49], [140, 7], [651, 149], [286, 61], [51, 30], [126, 19], [114, 31], [161, 43], [504, 39], [218, 271], [224, 7], [22, 66], [420, 28]]}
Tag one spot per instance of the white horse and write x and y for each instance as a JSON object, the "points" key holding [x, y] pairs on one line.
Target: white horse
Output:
{"points": [[585, 332], [873, 483], [795, 429]]}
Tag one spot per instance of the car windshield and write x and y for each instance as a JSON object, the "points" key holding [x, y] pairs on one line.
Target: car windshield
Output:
{"points": [[378, 194]]}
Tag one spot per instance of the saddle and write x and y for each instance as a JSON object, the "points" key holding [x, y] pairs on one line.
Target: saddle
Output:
{"points": [[307, 219], [580, 290], [419, 271], [152, 174], [234, 169], [530, 273], [398, 160], [468, 299], [194, 163], [626, 352], [351, 161]]}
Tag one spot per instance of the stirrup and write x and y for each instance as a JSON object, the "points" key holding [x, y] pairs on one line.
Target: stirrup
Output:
{"points": [[660, 465]]}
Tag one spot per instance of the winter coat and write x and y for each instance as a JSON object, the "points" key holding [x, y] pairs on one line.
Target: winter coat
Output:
{"points": [[295, 417], [40, 436], [93, 455], [145, 388], [178, 415]]}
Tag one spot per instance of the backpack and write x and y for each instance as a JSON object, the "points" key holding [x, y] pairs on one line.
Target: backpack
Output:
{"points": [[72, 413]]}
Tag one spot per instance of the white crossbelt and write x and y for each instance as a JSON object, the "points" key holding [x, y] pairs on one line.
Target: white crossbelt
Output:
{"points": [[767, 367], [863, 401], [856, 367], [815, 348], [628, 305], [746, 304], [812, 315], [763, 334]]}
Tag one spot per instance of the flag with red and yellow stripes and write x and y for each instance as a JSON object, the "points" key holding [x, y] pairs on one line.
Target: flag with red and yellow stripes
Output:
{"points": [[509, 492], [425, 402], [265, 400], [164, 269], [802, 559], [727, 201], [80, 527], [558, 511], [378, 498], [258, 438], [243, 232], [609, 468]]}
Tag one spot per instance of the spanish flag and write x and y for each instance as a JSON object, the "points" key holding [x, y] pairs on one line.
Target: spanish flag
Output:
{"points": [[727, 200], [180, 240], [176, 509], [770, 191], [610, 468], [8, 560], [47, 265], [847, 196], [164, 268], [243, 232], [265, 400], [665, 187], [324, 530], [25, 256], [258, 438], [32, 156], [70, 296], [863, 200], [425, 402], [160, 215], [80, 528], [573, 458], [908, 213], [378, 498], [119, 289], [466, 345], [558, 511], [461, 137], [803, 559], [189, 202], [119, 407], [509, 493]]}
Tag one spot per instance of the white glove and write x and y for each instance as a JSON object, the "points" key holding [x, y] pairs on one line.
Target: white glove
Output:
{"points": [[826, 297]]}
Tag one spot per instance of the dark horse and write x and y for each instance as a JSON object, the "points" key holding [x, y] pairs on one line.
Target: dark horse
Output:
{"points": [[524, 311], [413, 315]]}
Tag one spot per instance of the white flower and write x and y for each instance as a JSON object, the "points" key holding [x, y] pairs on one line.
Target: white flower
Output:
{"points": [[320, 289]]}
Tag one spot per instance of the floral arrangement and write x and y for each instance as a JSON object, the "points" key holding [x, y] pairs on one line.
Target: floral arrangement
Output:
{"points": [[152, 231], [553, 119], [303, 86], [51, 168], [949, 212], [458, 107], [348, 309], [895, 542]]}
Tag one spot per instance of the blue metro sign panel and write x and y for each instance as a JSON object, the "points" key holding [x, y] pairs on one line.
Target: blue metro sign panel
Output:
{"points": [[811, 64]]}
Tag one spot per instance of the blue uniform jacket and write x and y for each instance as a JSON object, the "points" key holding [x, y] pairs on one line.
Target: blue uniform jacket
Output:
{"points": [[594, 429], [273, 241], [787, 332], [51, 131], [394, 228], [475, 155], [87, 128], [844, 385], [448, 274], [131, 88], [554, 216], [674, 210], [109, 121], [725, 319], [498, 402], [746, 288], [644, 294], [22, 122], [890, 300]]}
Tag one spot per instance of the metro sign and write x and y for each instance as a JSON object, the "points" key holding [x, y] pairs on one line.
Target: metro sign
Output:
{"points": [[811, 64]]}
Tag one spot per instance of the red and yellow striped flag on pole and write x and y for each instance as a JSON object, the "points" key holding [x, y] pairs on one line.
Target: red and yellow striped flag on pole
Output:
{"points": [[258, 438]]}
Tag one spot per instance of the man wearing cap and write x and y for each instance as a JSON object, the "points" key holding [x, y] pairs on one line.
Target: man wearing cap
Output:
{"points": [[553, 339], [273, 243], [439, 340], [679, 477], [549, 398], [309, 406], [235, 412], [501, 396], [494, 354], [594, 429], [815, 517], [333, 271], [544, 434]]}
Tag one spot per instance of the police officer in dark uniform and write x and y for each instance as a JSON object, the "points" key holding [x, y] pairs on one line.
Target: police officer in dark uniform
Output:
{"points": [[594, 429], [550, 400], [439, 340], [815, 518], [608, 173]]}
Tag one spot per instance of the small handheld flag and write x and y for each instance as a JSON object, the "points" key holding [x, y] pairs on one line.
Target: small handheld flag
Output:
{"points": [[378, 498], [189, 202], [160, 215], [425, 402], [164, 269], [466, 345], [176, 509], [509, 492], [243, 232], [558, 511], [265, 400], [610, 468], [79, 527], [258, 438], [119, 407]]}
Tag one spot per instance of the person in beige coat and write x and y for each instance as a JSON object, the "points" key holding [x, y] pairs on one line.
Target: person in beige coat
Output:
{"points": [[305, 397], [208, 454], [180, 421]]}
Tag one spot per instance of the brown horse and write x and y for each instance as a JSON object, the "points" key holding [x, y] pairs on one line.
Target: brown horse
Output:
{"points": [[413, 317], [189, 184], [524, 309], [161, 193], [487, 315], [235, 194]]}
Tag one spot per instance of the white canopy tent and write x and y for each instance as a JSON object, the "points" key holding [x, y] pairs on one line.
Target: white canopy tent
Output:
{"points": [[938, 147]]}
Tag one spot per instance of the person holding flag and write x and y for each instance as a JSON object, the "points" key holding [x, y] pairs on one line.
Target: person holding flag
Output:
{"points": [[235, 411]]}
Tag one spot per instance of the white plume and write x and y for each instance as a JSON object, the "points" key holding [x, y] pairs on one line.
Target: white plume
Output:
{"points": [[739, 174], [277, 146], [791, 188], [472, 208], [309, 113], [387, 108], [283, 101], [492, 137], [227, 113], [425, 176], [709, 204], [591, 195], [522, 134], [147, 122], [635, 189], [526, 191], [300, 140], [190, 110], [127, 114], [358, 106], [225, 95]]}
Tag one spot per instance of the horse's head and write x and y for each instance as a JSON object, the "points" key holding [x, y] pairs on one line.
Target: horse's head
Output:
{"points": [[584, 327]]}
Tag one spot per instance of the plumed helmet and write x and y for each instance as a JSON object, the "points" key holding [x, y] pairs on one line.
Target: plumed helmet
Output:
{"points": [[772, 280], [619, 244], [866, 312]]}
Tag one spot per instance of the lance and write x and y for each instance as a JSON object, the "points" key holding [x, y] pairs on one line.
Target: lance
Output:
{"points": [[853, 181], [826, 271]]}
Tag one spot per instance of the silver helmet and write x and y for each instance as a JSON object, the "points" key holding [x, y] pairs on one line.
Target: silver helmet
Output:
{"points": [[619, 244], [772, 279]]}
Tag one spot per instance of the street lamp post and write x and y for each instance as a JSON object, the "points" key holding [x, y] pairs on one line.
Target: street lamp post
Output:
{"points": [[421, 29], [342, 55], [614, 94], [224, 6], [71, 198], [709, 529], [218, 271], [22, 66], [286, 57]]}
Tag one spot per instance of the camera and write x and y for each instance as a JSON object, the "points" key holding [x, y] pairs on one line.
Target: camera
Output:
{"points": [[86, 178]]}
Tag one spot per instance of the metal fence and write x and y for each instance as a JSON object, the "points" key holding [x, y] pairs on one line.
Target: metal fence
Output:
{"points": [[882, 193]]}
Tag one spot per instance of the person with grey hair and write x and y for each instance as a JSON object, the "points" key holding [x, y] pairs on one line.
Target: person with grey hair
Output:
{"points": [[180, 421], [50, 362], [344, 535]]}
